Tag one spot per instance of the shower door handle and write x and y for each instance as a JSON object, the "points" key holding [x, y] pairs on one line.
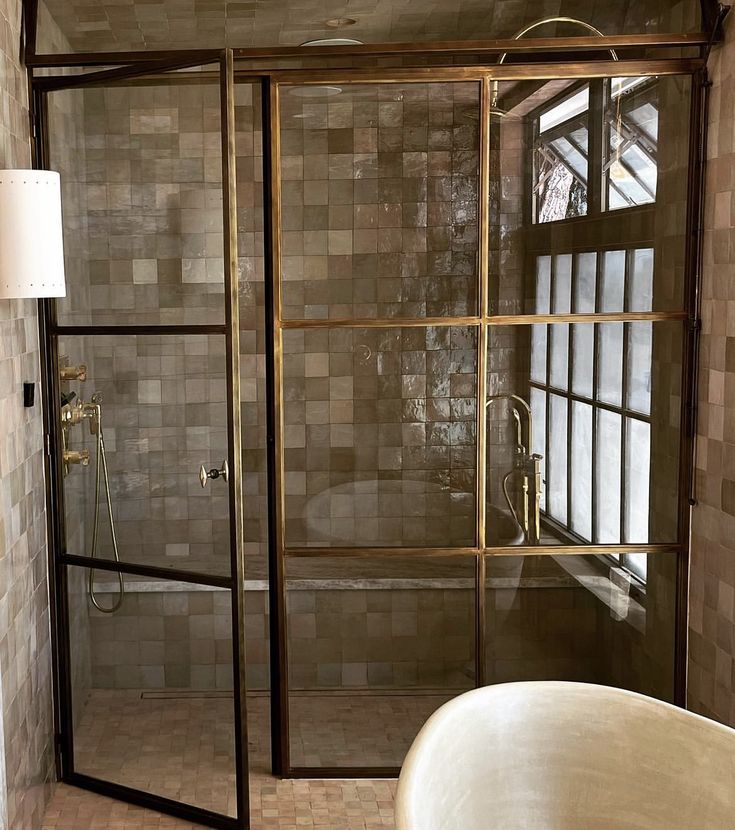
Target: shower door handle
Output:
{"points": [[205, 475]]}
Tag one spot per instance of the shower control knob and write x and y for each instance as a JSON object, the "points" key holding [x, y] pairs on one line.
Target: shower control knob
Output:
{"points": [[205, 475]]}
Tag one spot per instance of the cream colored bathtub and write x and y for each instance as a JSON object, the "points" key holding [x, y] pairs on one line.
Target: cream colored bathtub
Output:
{"points": [[562, 756]]}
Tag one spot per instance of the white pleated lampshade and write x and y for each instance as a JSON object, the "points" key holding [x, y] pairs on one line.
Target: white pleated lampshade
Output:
{"points": [[31, 237]]}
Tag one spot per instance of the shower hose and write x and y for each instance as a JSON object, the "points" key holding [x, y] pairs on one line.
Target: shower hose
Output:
{"points": [[101, 468]]}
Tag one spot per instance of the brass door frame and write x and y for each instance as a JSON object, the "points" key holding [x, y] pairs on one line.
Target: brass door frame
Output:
{"points": [[483, 322]]}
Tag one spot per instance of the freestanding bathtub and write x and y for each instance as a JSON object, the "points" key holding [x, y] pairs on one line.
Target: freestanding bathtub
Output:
{"points": [[567, 756]]}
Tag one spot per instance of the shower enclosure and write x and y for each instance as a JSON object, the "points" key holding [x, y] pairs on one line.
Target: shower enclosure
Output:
{"points": [[393, 353]]}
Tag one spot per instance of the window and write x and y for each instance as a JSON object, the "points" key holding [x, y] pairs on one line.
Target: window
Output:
{"points": [[591, 398], [561, 158], [631, 132], [625, 166]]}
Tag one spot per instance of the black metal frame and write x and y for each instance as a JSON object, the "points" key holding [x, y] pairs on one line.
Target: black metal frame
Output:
{"points": [[147, 67], [60, 559]]}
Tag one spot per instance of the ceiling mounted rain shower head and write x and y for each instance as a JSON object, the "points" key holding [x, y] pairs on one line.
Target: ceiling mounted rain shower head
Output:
{"points": [[324, 91], [496, 111]]}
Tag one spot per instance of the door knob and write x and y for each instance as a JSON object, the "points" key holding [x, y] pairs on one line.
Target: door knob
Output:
{"points": [[205, 475]]}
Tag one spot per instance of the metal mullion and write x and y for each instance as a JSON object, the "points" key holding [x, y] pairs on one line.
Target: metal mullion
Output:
{"points": [[497, 72], [573, 396], [280, 743], [234, 428], [624, 395], [297, 552], [570, 351], [596, 317], [482, 366], [581, 550], [378, 322], [147, 571], [494, 46], [141, 330], [595, 370]]}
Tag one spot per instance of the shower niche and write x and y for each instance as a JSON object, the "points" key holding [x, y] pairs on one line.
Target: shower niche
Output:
{"points": [[383, 403]]}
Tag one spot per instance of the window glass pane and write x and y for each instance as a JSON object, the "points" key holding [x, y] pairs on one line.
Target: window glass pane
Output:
{"points": [[569, 108], [640, 292], [539, 335], [640, 357], [581, 463], [559, 355], [637, 563], [557, 466], [585, 287], [374, 640], [583, 355], [632, 121], [610, 363], [562, 284], [561, 159], [543, 285], [607, 477], [538, 445], [575, 617], [379, 436], [637, 480], [613, 281], [152, 687], [379, 200]]}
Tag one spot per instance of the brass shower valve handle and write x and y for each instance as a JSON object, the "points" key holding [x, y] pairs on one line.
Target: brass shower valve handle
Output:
{"points": [[77, 457], [74, 372], [205, 475]]}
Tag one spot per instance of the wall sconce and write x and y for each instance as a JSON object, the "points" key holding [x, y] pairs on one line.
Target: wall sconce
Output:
{"points": [[31, 235]]}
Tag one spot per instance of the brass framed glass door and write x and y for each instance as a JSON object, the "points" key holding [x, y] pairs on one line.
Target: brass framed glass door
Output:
{"points": [[479, 305], [142, 369]]}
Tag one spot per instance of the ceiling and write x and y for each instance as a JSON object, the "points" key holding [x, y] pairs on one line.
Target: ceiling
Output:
{"points": [[121, 25]]}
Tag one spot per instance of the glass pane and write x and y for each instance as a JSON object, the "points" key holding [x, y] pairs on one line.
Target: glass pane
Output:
{"points": [[638, 477], [632, 118], [163, 406], [640, 366], [538, 441], [613, 281], [610, 363], [557, 466], [562, 284], [152, 692], [543, 285], [376, 640], [608, 484], [586, 283], [581, 618], [583, 359], [538, 210], [86, 26], [380, 445], [560, 185], [581, 471], [379, 200], [560, 355], [141, 174], [549, 499], [539, 337]]}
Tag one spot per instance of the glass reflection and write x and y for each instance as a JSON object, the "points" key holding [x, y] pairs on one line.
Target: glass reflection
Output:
{"points": [[574, 455]]}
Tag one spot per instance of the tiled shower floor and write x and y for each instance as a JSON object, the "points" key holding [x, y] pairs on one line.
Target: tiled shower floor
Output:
{"points": [[179, 747]]}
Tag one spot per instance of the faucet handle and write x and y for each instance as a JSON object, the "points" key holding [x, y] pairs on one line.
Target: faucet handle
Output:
{"points": [[74, 372], [205, 475]]}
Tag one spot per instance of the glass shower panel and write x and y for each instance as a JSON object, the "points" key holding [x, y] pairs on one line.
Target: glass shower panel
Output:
{"points": [[582, 618], [163, 405], [379, 193], [584, 474], [141, 173], [374, 640], [541, 211], [379, 436], [152, 688]]}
